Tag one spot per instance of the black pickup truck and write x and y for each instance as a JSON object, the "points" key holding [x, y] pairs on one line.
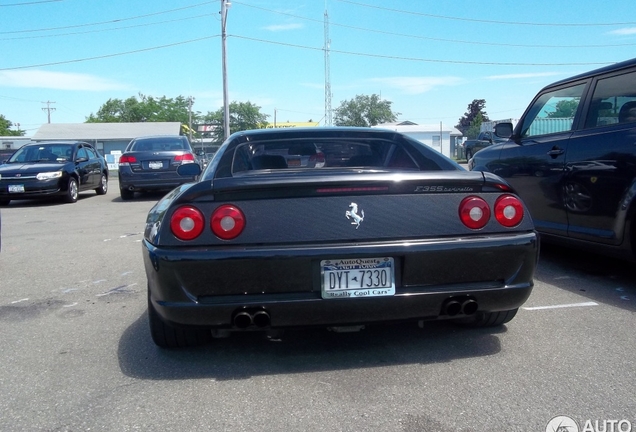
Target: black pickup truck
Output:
{"points": [[484, 139]]}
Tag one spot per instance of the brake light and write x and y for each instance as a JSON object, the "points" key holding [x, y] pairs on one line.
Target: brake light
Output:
{"points": [[508, 211], [127, 160], [184, 158], [187, 223], [474, 212], [227, 222]]}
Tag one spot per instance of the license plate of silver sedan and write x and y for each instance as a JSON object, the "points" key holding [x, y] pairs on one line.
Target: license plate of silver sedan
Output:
{"points": [[378, 228]]}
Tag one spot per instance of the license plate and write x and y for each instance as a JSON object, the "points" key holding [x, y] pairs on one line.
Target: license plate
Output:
{"points": [[356, 278], [155, 165], [16, 188], [293, 162]]}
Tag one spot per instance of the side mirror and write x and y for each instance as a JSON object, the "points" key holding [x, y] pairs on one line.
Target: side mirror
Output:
{"points": [[189, 170], [503, 130]]}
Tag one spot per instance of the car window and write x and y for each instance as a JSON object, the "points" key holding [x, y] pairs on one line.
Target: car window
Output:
{"points": [[91, 153], [311, 154], [81, 153], [160, 144], [613, 101], [552, 112]]}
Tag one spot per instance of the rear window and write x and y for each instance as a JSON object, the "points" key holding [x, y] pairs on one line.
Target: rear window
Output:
{"points": [[322, 154], [159, 144], [614, 101]]}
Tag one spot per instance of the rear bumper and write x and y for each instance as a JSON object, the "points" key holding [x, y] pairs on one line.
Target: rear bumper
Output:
{"points": [[151, 181], [204, 287]]}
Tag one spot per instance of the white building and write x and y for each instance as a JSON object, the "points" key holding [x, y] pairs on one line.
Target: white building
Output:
{"points": [[443, 138]]}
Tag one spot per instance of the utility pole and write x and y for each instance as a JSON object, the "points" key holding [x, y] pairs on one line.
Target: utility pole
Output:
{"points": [[190, 101], [225, 4], [328, 120], [48, 109]]}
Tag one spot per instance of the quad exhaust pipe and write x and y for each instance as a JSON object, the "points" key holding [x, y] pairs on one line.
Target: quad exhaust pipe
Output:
{"points": [[459, 305], [244, 319]]}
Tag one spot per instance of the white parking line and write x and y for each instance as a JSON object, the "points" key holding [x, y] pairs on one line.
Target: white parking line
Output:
{"points": [[561, 306]]}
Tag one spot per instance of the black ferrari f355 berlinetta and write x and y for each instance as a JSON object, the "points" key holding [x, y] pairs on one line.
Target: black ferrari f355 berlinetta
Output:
{"points": [[333, 227]]}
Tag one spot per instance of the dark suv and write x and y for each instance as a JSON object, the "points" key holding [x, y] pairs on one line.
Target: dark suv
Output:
{"points": [[150, 164], [572, 158]]}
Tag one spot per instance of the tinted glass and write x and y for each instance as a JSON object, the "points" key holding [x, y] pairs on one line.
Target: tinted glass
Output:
{"points": [[91, 153], [160, 144], [43, 153], [322, 154], [614, 101], [553, 112]]}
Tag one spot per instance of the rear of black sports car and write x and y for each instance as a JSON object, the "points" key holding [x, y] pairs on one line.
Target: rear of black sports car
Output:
{"points": [[386, 230]]}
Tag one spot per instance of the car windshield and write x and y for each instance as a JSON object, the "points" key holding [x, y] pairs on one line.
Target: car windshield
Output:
{"points": [[159, 144], [43, 153], [329, 153]]}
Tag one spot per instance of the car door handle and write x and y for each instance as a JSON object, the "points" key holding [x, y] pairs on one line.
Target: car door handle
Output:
{"points": [[556, 152]]}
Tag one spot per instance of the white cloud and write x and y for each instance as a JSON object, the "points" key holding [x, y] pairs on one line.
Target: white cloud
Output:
{"points": [[522, 75], [58, 81], [624, 31], [417, 85], [283, 27]]}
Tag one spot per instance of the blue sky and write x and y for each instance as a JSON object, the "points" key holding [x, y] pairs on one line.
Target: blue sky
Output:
{"points": [[430, 59]]}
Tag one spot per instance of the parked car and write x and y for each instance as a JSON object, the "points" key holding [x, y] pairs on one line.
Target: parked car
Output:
{"points": [[483, 140], [59, 168], [392, 231], [572, 158], [150, 164]]}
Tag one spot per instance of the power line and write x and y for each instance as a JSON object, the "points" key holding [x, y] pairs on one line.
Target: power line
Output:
{"points": [[392, 57], [490, 21], [424, 59], [109, 29], [30, 3], [109, 55], [459, 41], [107, 22]]}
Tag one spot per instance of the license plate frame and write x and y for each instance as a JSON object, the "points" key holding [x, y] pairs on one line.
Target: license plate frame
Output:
{"points": [[154, 165], [357, 277], [16, 188]]}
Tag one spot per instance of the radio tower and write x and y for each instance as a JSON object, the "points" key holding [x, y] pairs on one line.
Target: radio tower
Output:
{"points": [[328, 120]]}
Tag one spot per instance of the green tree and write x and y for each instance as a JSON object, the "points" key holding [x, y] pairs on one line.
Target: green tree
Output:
{"points": [[364, 111], [144, 109], [565, 109], [475, 115], [243, 116], [5, 128], [475, 127]]}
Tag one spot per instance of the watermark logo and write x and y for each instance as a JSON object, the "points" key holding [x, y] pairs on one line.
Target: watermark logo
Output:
{"points": [[562, 424], [568, 424]]}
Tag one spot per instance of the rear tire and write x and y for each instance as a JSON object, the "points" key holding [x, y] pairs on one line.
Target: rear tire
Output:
{"points": [[71, 191], [103, 185], [469, 154], [126, 194], [489, 319], [166, 336], [4, 203]]}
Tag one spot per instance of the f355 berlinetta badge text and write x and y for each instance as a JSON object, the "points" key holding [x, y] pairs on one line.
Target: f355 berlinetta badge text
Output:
{"points": [[353, 214]]}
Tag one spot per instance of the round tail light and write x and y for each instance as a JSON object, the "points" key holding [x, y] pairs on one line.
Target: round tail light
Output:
{"points": [[187, 223], [508, 211], [227, 222], [474, 212]]}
